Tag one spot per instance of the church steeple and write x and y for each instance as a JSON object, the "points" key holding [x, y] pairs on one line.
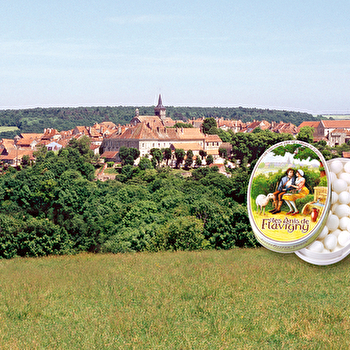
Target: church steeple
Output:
{"points": [[160, 110]]}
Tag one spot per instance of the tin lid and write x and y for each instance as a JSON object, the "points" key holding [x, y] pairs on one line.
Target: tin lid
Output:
{"points": [[289, 196]]}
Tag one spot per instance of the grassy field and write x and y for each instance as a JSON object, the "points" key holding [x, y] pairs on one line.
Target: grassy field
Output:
{"points": [[8, 128], [337, 116], [238, 299]]}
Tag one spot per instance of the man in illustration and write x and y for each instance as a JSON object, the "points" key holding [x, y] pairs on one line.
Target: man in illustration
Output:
{"points": [[286, 184], [301, 192]]}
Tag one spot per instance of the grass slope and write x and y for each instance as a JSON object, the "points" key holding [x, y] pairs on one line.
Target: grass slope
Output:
{"points": [[238, 299], [8, 128]]}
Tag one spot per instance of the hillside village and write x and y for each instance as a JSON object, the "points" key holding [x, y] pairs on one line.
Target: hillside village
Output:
{"points": [[145, 132]]}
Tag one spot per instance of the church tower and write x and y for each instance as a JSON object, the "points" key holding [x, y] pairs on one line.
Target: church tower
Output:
{"points": [[160, 110]]}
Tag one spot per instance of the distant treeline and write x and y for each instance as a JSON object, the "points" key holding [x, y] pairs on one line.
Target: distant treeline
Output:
{"points": [[37, 119]]}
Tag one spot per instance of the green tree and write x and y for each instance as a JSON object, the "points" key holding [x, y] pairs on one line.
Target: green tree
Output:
{"points": [[181, 233], [134, 152], [83, 146], [224, 135], [129, 160], [324, 149], [202, 153], [223, 152], [198, 161], [180, 156], [40, 153], [306, 134], [145, 163], [25, 160], [189, 159], [156, 154], [182, 125], [209, 160], [208, 125], [123, 153], [128, 155], [167, 155]]}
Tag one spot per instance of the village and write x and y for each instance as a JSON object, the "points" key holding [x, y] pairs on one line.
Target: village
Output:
{"points": [[145, 132]]}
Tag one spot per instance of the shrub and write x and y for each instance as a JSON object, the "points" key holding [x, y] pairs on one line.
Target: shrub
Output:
{"points": [[181, 233]]}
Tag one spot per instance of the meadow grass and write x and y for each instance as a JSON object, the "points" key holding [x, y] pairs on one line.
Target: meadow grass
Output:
{"points": [[8, 128], [237, 299]]}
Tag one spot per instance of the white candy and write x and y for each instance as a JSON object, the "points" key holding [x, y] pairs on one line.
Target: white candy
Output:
{"points": [[339, 185], [347, 167], [332, 222], [330, 242], [334, 207], [336, 232], [345, 177], [338, 247], [336, 166], [332, 177], [334, 197], [344, 197], [323, 233], [342, 210], [344, 223], [344, 238], [316, 246]]}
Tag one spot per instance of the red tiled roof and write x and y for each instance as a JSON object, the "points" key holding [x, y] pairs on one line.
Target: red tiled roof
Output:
{"points": [[147, 131], [19, 153], [313, 124], [7, 144], [336, 123], [49, 133], [109, 125], [263, 125], [109, 154], [32, 136], [188, 146], [212, 138], [168, 122], [285, 128], [26, 142], [140, 131], [81, 130], [340, 131]]}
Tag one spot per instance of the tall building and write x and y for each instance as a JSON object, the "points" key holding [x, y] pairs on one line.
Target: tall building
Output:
{"points": [[147, 132], [160, 110]]}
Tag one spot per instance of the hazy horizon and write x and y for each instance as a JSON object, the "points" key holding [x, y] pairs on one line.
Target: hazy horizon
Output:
{"points": [[291, 56]]}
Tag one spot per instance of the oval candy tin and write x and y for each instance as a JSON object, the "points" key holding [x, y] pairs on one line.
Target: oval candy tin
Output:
{"points": [[289, 196]]}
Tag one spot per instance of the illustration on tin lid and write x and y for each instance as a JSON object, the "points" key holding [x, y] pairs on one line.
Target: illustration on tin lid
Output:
{"points": [[288, 192]]}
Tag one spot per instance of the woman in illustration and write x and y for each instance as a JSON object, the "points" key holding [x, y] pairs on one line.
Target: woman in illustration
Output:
{"points": [[301, 192]]}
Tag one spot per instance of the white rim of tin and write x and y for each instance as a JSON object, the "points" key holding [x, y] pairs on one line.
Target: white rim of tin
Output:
{"points": [[297, 244]]}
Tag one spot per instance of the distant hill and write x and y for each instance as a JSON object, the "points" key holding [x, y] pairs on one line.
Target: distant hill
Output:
{"points": [[37, 119], [336, 116]]}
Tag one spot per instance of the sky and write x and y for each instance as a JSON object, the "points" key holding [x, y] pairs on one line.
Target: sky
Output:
{"points": [[276, 54]]}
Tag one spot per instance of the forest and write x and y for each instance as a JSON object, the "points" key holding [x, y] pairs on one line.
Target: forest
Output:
{"points": [[55, 205], [35, 120]]}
